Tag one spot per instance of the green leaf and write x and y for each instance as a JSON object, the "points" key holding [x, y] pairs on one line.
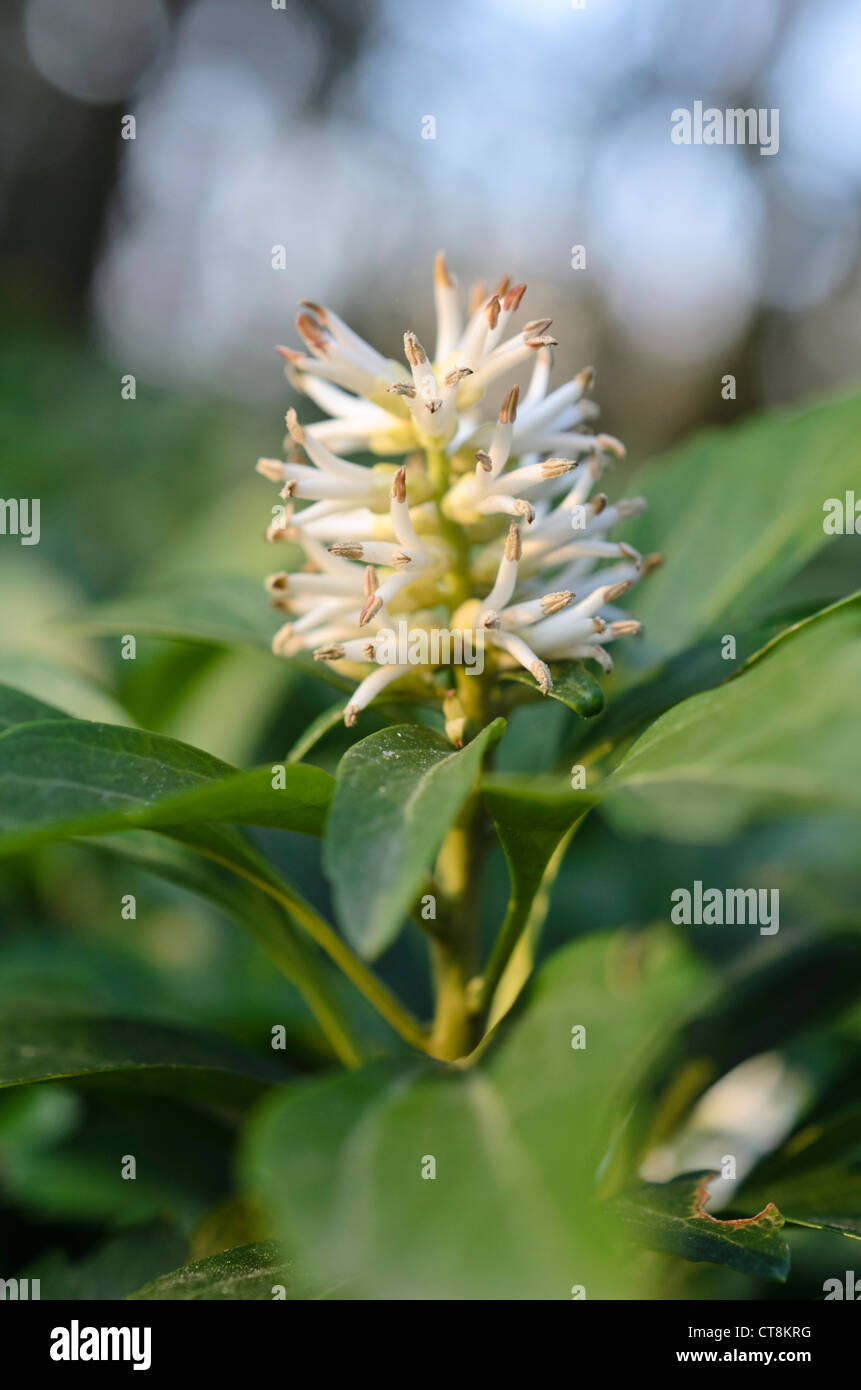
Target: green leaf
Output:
{"points": [[517, 1140], [698, 668], [780, 737], [815, 1176], [572, 685], [532, 818], [70, 777], [828, 1199], [737, 511], [249, 798], [398, 792], [133, 761], [671, 1216], [37, 1046], [247, 1273]]}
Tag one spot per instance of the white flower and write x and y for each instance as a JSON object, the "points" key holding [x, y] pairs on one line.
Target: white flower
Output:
{"points": [[500, 505]]}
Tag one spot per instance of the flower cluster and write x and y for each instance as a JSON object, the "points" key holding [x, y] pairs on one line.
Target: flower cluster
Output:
{"points": [[492, 528]]}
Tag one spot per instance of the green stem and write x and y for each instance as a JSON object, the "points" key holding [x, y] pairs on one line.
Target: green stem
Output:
{"points": [[438, 470], [454, 1022], [454, 946], [472, 696]]}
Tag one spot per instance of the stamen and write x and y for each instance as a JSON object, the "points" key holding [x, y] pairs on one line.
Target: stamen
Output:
{"points": [[508, 410], [272, 469]]}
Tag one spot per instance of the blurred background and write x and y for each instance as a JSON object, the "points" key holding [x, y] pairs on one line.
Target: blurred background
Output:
{"points": [[260, 124], [304, 126], [269, 123]]}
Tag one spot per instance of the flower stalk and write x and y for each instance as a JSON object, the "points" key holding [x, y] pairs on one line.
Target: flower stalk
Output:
{"points": [[488, 528], [455, 945]]}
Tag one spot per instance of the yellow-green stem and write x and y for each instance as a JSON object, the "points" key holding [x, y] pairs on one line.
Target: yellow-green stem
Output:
{"points": [[452, 1035], [455, 946]]}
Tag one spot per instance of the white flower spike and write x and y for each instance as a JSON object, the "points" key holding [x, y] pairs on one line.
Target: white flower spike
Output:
{"points": [[492, 499]]}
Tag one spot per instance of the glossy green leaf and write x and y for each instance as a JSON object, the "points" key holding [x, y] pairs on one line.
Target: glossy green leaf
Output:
{"points": [[531, 815], [573, 685], [398, 792], [639, 702], [516, 1141], [248, 1273], [737, 511], [671, 1216], [828, 1199], [70, 777], [782, 736], [158, 766]]}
